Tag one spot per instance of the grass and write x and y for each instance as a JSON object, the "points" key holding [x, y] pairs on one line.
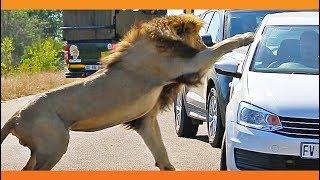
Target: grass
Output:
{"points": [[19, 85]]}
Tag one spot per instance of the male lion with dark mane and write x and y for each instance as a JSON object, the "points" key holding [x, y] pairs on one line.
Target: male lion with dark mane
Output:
{"points": [[140, 78]]}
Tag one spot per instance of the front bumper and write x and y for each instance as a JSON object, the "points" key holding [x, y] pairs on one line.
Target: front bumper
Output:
{"points": [[248, 148], [77, 73]]}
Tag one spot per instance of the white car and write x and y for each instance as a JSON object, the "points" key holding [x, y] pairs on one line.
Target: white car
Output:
{"points": [[272, 119]]}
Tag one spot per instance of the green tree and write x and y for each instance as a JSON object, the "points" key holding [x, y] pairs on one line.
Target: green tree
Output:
{"points": [[28, 26], [6, 55], [43, 55], [52, 20], [22, 28]]}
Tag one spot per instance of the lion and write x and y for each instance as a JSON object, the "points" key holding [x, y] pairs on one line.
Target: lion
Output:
{"points": [[138, 80]]}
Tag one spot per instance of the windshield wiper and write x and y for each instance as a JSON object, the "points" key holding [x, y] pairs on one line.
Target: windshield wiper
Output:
{"points": [[307, 73]]}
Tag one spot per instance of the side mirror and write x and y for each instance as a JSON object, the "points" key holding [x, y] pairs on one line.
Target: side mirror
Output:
{"points": [[207, 40], [227, 67]]}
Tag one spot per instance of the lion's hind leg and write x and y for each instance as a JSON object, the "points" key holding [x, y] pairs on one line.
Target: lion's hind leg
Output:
{"points": [[51, 149], [48, 140], [46, 161], [47, 155]]}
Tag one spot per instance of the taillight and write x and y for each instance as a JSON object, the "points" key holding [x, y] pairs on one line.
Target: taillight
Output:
{"points": [[114, 46], [66, 55]]}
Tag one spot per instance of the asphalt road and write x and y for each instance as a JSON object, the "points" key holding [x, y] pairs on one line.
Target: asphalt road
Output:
{"points": [[114, 148]]}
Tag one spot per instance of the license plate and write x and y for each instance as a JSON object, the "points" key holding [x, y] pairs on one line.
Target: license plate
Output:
{"points": [[309, 150], [75, 60], [92, 67]]}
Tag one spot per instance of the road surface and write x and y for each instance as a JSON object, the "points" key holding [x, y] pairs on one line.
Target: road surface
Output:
{"points": [[114, 148]]}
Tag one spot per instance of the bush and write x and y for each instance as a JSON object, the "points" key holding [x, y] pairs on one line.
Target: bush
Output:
{"points": [[6, 55], [22, 28], [43, 55]]}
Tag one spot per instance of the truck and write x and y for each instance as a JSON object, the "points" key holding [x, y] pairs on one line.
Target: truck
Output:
{"points": [[88, 35]]}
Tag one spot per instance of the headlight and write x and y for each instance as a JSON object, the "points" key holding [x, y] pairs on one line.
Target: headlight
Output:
{"points": [[255, 117]]}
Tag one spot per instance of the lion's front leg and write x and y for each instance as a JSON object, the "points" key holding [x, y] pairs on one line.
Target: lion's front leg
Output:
{"points": [[150, 132]]}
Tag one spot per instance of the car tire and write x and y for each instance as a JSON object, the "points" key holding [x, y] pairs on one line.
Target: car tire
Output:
{"points": [[223, 157], [184, 125], [214, 124]]}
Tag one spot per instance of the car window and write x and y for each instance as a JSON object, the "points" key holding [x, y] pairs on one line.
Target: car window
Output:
{"points": [[239, 22], [288, 49], [214, 27], [207, 18]]}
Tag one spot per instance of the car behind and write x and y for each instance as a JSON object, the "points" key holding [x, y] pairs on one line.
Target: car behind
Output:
{"points": [[195, 105]]}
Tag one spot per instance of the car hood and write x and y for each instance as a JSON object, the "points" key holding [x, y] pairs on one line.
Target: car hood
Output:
{"points": [[287, 95]]}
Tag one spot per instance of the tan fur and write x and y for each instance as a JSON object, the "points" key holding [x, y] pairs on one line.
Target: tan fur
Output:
{"points": [[179, 33], [173, 36], [139, 79]]}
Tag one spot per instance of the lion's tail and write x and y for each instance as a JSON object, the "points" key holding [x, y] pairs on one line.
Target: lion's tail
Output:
{"points": [[10, 124]]}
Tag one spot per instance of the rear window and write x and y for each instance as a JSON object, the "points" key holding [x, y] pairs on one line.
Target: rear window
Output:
{"points": [[239, 22], [87, 24]]}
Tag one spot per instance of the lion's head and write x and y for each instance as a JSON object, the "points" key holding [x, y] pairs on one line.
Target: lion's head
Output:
{"points": [[179, 32], [173, 36]]}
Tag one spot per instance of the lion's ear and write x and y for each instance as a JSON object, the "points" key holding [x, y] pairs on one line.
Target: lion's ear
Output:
{"points": [[188, 24]]}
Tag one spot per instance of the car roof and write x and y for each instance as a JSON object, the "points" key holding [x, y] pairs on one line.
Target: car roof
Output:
{"points": [[293, 18]]}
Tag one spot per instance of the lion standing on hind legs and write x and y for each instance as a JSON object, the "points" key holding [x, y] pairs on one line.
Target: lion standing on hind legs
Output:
{"points": [[141, 78]]}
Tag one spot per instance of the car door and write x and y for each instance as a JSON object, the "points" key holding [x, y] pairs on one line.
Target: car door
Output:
{"points": [[196, 96]]}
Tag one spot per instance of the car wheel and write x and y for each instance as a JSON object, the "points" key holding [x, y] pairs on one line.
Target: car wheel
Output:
{"points": [[214, 124], [183, 124], [223, 158]]}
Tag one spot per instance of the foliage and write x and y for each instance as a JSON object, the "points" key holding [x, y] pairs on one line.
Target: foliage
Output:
{"points": [[6, 55], [22, 28], [43, 55], [30, 40], [28, 26], [52, 20]]}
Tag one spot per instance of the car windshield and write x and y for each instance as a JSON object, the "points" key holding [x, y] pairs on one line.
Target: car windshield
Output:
{"points": [[288, 49], [239, 22]]}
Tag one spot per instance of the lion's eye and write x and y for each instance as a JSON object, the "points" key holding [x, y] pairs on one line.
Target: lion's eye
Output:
{"points": [[179, 31]]}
